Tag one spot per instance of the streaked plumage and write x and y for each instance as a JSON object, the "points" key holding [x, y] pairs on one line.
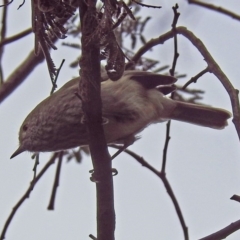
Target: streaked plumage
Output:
{"points": [[129, 104]]}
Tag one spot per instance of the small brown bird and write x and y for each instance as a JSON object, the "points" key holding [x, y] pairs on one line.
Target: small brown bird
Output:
{"points": [[129, 105]]}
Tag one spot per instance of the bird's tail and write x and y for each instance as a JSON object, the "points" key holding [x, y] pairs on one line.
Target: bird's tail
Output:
{"points": [[201, 115]]}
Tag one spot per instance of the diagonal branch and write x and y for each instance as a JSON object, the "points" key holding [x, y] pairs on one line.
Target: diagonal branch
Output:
{"points": [[195, 78], [217, 71], [223, 233], [166, 184], [212, 66], [27, 194], [19, 74], [15, 37], [215, 8]]}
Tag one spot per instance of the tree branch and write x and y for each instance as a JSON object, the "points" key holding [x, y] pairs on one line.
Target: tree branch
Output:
{"points": [[176, 54], [195, 78], [166, 184], [167, 139], [56, 182], [89, 87], [27, 194], [15, 37], [212, 66], [223, 233], [215, 8], [2, 37], [19, 74], [216, 70], [235, 198]]}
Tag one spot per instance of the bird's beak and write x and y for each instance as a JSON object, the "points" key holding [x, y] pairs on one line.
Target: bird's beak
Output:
{"points": [[18, 151]]}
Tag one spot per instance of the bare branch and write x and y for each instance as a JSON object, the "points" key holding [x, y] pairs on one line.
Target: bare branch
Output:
{"points": [[160, 69], [167, 185], [6, 4], [176, 54], [216, 70], [171, 71], [195, 78], [212, 65], [89, 86], [215, 8], [54, 81], [2, 37], [146, 5], [27, 194], [56, 181], [223, 233], [92, 237], [23, 2], [148, 46], [167, 139], [36, 163], [15, 37], [4, 21], [19, 74], [236, 198]]}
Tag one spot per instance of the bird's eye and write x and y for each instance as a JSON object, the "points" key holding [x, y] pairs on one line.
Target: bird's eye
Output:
{"points": [[25, 127]]}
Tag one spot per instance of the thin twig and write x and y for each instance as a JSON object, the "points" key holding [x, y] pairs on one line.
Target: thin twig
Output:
{"points": [[175, 203], [195, 78], [15, 37], [235, 198], [216, 70], [2, 37], [27, 194], [167, 139], [4, 22], [72, 45], [180, 75], [138, 158], [223, 233], [213, 66], [54, 82], [160, 69], [50, 64], [19, 74], [150, 44], [36, 163], [172, 71], [92, 237], [216, 8], [146, 5], [21, 4], [176, 54], [167, 186], [5, 5], [56, 181]]}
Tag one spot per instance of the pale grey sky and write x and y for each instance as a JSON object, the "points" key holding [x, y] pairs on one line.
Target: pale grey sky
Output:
{"points": [[203, 165]]}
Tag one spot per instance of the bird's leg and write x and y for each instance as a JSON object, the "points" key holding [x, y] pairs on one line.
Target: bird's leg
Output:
{"points": [[121, 149], [126, 143]]}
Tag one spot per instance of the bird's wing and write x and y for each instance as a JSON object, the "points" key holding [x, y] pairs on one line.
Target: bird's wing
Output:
{"points": [[149, 80], [166, 89]]}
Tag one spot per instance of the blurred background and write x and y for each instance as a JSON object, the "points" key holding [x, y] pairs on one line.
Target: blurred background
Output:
{"points": [[203, 165]]}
